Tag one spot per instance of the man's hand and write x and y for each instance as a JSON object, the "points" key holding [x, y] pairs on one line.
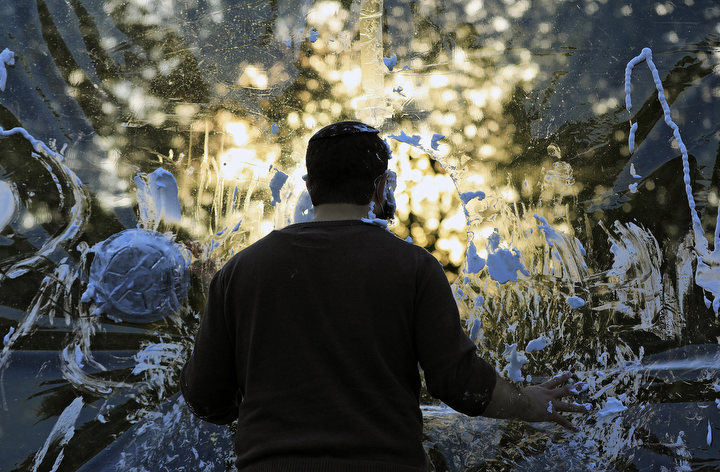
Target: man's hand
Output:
{"points": [[543, 402], [534, 403]]}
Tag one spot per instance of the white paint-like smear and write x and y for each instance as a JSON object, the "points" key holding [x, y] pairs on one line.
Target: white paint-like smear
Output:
{"points": [[707, 274], [8, 204], [38, 145], [164, 192], [62, 432], [157, 196], [76, 214]]}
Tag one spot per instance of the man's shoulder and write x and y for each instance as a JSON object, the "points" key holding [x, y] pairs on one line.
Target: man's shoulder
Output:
{"points": [[252, 251]]}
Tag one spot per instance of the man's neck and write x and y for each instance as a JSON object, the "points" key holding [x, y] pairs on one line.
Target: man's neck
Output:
{"points": [[340, 211]]}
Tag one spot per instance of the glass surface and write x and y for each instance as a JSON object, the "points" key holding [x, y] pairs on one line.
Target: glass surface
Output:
{"points": [[576, 242]]}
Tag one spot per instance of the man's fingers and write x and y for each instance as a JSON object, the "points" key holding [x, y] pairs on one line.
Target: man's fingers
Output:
{"points": [[557, 381], [569, 407], [562, 421], [567, 389]]}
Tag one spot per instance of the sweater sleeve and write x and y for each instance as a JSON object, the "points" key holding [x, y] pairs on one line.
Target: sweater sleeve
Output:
{"points": [[208, 379], [454, 372]]}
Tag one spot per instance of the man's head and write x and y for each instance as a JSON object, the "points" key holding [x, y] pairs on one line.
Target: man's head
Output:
{"points": [[344, 161]]}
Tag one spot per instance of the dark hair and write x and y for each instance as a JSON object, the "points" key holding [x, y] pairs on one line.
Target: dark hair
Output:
{"points": [[343, 161]]}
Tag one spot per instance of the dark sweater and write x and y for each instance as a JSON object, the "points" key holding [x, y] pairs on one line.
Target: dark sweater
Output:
{"points": [[311, 339]]}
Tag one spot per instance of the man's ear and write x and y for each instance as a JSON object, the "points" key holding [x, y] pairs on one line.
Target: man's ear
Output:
{"points": [[380, 190]]}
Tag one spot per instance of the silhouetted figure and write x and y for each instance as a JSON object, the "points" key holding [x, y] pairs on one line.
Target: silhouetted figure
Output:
{"points": [[312, 336]]}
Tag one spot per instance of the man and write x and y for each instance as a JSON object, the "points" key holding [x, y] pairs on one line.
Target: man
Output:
{"points": [[312, 336]]}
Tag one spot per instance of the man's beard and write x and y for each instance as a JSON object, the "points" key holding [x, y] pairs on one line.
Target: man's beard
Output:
{"points": [[387, 209]]}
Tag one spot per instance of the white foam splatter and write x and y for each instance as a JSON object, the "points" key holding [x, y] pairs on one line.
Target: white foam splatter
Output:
{"points": [[612, 407], [633, 188], [8, 203], [6, 338], [708, 438], [550, 407], [276, 184], [157, 196], [313, 34], [413, 140], [475, 329], [475, 263], [632, 171], [631, 137], [515, 362], [78, 355], [536, 344], [372, 219], [6, 57], [164, 192], [153, 356], [503, 265], [575, 302], [467, 196], [390, 62]]}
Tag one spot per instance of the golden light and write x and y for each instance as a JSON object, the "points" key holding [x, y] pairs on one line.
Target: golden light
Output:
{"points": [[530, 72], [487, 150], [454, 246], [438, 80], [477, 97], [293, 119], [351, 78], [454, 222], [253, 77], [509, 194], [242, 163], [310, 121], [239, 132]]}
